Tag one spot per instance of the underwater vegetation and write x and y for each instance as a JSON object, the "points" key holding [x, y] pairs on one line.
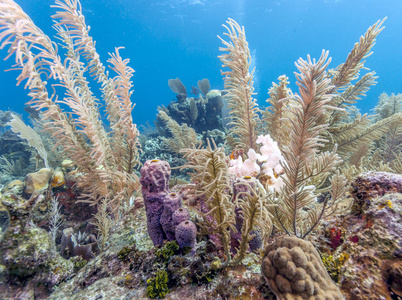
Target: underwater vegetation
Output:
{"points": [[255, 189], [157, 286]]}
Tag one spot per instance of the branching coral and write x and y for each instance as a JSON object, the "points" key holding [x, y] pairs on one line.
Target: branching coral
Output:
{"points": [[390, 146], [242, 216], [352, 133], [388, 106], [348, 71], [348, 142], [252, 206], [105, 159], [239, 86], [316, 130], [275, 116], [372, 142], [299, 211], [211, 175], [183, 135], [103, 223]]}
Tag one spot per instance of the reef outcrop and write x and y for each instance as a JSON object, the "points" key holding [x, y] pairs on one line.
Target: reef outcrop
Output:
{"points": [[366, 244]]}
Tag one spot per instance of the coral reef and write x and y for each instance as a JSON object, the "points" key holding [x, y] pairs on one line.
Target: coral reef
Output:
{"points": [[371, 240], [178, 87], [78, 245], [389, 147], [202, 114], [183, 136], [204, 86], [106, 160], [30, 135], [241, 188], [293, 269], [219, 209], [371, 184], [132, 260], [26, 253], [232, 202], [244, 116], [14, 152]]}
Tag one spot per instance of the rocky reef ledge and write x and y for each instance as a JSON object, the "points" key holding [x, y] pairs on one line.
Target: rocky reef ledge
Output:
{"points": [[361, 251]]}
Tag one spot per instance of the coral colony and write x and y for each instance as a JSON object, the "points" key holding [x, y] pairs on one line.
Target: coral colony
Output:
{"points": [[265, 166], [221, 200]]}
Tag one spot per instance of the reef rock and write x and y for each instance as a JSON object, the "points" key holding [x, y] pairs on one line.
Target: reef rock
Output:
{"points": [[370, 238], [123, 270], [371, 184], [28, 254]]}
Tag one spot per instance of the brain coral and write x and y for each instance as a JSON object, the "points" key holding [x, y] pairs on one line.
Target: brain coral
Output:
{"points": [[293, 269]]}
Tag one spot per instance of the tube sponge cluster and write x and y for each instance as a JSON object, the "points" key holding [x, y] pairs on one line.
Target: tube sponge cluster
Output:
{"points": [[166, 219], [264, 165], [293, 269], [155, 176]]}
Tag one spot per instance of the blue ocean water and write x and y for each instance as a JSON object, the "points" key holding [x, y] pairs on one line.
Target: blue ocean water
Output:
{"points": [[178, 38]]}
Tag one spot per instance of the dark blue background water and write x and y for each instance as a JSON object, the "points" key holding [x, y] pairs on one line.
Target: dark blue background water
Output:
{"points": [[169, 39]]}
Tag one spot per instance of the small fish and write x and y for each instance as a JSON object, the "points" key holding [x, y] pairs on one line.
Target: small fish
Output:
{"points": [[236, 153]]}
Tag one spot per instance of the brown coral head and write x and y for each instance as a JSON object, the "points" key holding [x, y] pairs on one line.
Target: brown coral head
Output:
{"points": [[293, 270]]}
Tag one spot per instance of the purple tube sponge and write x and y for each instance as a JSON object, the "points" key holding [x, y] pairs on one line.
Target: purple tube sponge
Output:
{"points": [[155, 176], [181, 214], [171, 203], [186, 234]]}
